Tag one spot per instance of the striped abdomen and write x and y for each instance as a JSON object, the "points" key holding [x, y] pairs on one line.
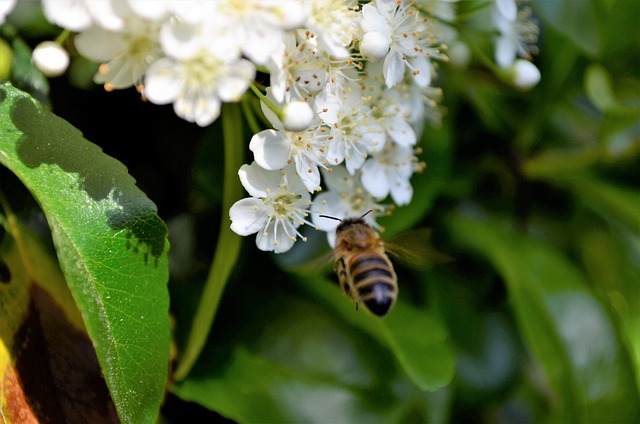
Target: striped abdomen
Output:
{"points": [[373, 281]]}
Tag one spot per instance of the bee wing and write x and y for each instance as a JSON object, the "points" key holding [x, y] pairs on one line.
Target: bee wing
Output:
{"points": [[321, 262], [414, 249]]}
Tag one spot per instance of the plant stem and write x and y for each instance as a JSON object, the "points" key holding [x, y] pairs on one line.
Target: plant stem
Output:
{"points": [[227, 248]]}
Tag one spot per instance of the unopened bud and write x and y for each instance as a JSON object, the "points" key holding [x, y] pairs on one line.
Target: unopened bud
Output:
{"points": [[374, 46], [50, 58], [525, 74], [297, 116]]}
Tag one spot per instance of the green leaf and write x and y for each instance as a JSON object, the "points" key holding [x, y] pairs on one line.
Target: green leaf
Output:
{"points": [[611, 200], [570, 333], [579, 21], [111, 246], [60, 360], [300, 364], [417, 339], [612, 260], [599, 87]]}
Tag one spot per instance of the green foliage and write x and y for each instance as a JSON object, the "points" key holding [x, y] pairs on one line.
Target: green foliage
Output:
{"points": [[110, 243], [534, 195]]}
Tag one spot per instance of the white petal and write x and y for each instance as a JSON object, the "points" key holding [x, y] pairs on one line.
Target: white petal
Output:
{"points": [[232, 86], [393, 68], [505, 53], [247, 216], [309, 174], [6, 6], [258, 181], [262, 43], [97, 44], [372, 20], [423, 68], [507, 8], [271, 149], [336, 152], [276, 239], [180, 39], [161, 84], [354, 162], [295, 183], [269, 114], [401, 132], [149, 9], [338, 179], [104, 13], [206, 110], [327, 203], [69, 14], [327, 107], [401, 193], [375, 179]]}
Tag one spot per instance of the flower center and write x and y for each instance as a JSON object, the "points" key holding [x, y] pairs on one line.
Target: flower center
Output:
{"points": [[202, 70], [284, 204], [140, 47]]}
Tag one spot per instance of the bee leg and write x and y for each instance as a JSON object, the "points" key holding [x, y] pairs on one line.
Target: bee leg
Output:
{"points": [[357, 310]]}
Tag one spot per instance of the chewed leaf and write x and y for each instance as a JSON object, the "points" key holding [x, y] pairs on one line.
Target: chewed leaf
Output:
{"points": [[110, 243]]}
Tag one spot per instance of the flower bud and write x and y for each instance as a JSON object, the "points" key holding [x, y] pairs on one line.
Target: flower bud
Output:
{"points": [[525, 75], [374, 46], [50, 58], [297, 116], [459, 54], [6, 57]]}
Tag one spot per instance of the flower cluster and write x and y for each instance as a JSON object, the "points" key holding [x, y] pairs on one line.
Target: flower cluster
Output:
{"points": [[350, 88]]}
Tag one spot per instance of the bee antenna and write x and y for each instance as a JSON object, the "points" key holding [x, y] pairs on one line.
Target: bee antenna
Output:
{"points": [[365, 214], [330, 217]]}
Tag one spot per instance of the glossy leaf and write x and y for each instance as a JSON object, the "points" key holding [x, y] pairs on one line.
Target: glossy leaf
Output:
{"points": [[110, 243], [304, 365], [599, 87], [576, 20], [611, 200], [570, 333], [49, 369], [417, 338]]}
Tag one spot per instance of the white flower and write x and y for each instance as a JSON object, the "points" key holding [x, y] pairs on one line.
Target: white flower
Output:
{"points": [[78, 15], [274, 149], [50, 58], [298, 70], [334, 24], [518, 33], [353, 131], [254, 27], [395, 31], [278, 206], [389, 171], [6, 6], [345, 198], [128, 54], [198, 85]]}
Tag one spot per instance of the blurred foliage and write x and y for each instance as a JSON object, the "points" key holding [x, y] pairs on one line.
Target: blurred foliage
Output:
{"points": [[535, 195]]}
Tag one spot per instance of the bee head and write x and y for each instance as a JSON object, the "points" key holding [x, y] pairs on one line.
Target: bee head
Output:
{"points": [[349, 222]]}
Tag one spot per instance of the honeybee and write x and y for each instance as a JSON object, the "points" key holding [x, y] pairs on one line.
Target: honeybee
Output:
{"points": [[365, 272]]}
